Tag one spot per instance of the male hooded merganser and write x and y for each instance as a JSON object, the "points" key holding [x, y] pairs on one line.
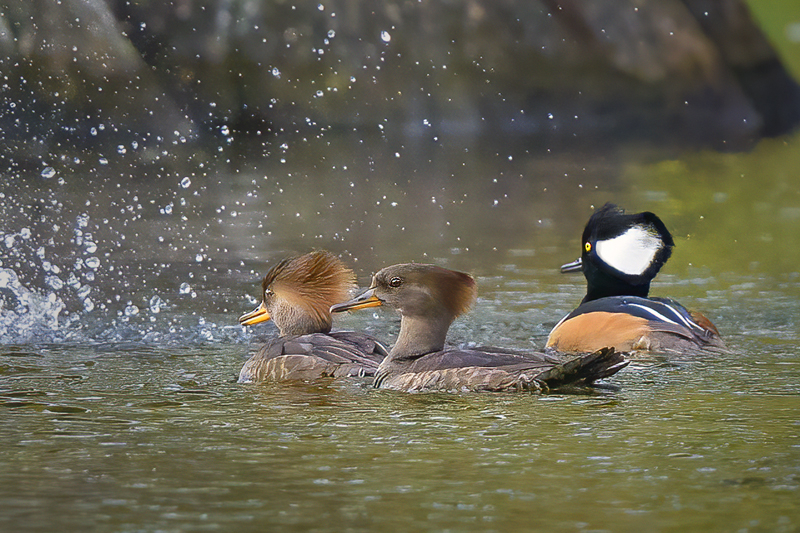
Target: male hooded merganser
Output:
{"points": [[621, 255], [297, 295], [429, 298]]}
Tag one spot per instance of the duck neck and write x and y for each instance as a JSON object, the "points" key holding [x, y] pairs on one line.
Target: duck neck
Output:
{"points": [[293, 320], [602, 284], [420, 336], [612, 287]]}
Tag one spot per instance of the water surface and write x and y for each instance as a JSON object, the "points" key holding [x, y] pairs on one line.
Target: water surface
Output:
{"points": [[121, 281]]}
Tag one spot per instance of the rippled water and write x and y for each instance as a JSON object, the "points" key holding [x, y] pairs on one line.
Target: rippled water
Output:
{"points": [[120, 284]]}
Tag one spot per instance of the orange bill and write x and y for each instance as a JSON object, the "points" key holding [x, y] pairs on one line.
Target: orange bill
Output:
{"points": [[256, 316], [367, 299]]}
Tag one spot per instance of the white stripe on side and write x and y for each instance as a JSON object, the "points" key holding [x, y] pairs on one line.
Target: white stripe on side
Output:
{"points": [[686, 322]]}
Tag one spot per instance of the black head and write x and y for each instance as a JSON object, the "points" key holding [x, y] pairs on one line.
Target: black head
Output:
{"points": [[621, 253]]}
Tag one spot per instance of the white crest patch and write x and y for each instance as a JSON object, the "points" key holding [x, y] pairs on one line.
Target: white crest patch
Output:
{"points": [[632, 252]]}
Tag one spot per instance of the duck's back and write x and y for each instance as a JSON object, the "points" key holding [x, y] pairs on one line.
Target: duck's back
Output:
{"points": [[313, 356], [630, 323], [493, 370]]}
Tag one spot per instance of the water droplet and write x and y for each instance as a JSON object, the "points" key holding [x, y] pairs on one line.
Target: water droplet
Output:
{"points": [[156, 304], [48, 172], [185, 288], [73, 282], [331, 34], [121, 149], [131, 310], [92, 262], [7, 277], [103, 161], [186, 182], [225, 130], [385, 37]]}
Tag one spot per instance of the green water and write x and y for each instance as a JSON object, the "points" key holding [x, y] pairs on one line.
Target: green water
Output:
{"points": [[124, 416], [154, 441]]}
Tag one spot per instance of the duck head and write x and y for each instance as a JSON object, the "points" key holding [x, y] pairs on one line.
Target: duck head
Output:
{"points": [[298, 292], [428, 298], [621, 253]]}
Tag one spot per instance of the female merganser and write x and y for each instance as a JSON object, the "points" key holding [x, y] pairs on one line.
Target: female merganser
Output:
{"points": [[297, 294], [429, 298]]}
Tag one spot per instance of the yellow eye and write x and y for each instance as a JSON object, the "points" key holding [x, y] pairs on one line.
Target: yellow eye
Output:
{"points": [[587, 247]]}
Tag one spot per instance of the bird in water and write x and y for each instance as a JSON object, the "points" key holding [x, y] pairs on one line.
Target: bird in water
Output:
{"points": [[429, 298], [297, 294], [622, 253]]}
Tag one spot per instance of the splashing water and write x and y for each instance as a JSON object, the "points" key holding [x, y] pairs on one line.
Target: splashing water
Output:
{"points": [[25, 315]]}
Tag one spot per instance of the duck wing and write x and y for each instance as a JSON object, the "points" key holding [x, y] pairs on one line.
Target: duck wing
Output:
{"points": [[473, 370], [621, 321], [312, 356]]}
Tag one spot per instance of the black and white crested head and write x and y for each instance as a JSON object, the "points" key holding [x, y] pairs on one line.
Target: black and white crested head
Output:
{"points": [[623, 252]]}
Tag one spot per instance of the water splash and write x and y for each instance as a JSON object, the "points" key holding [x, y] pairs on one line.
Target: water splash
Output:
{"points": [[25, 315]]}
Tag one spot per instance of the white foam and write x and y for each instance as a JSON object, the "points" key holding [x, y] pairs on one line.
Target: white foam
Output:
{"points": [[632, 252]]}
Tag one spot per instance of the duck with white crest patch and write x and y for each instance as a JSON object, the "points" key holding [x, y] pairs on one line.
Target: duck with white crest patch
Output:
{"points": [[621, 254]]}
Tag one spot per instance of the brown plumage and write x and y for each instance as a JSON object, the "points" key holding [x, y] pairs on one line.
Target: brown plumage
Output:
{"points": [[297, 295], [429, 298], [314, 355], [596, 330]]}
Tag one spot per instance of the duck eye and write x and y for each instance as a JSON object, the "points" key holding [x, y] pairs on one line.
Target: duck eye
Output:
{"points": [[587, 247], [395, 282]]}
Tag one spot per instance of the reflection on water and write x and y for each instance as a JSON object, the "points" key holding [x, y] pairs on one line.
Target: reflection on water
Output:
{"points": [[120, 284]]}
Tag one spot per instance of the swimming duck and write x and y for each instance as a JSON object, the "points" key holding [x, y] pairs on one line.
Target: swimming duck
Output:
{"points": [[429, 298], [297, 294], [622, 253]]}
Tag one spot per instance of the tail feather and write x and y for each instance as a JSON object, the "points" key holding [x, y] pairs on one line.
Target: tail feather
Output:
{"points": [[585, 369]]}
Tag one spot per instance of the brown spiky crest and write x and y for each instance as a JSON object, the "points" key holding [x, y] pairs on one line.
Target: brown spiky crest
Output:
{"points": [[456, 290], [313, 281]]}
